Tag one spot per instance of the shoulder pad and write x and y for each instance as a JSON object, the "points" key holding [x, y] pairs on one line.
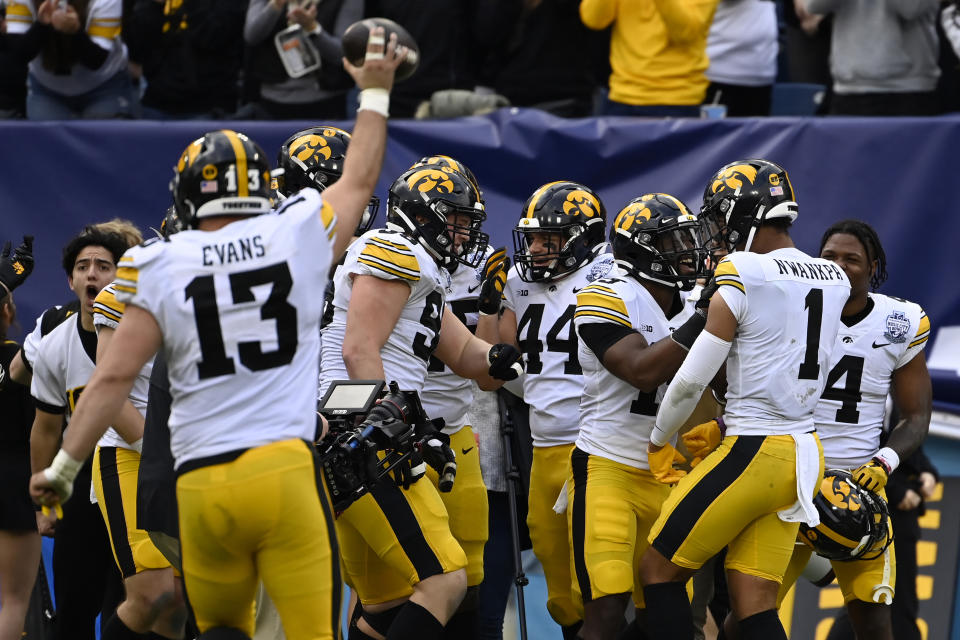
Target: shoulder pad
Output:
{"points": [[54, 316]]}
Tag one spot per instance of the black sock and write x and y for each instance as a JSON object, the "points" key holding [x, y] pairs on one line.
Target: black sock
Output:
{"points": [[115, 629], [633, 631], [462, 626], [668, 611], [570, 631], [763, 626], [415, 622]]}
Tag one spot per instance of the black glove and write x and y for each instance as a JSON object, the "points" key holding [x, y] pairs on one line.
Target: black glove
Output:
{"points": [[409, 471], [505, 362], [434, 447], [494, 279], [686, 334], [15, 269]]}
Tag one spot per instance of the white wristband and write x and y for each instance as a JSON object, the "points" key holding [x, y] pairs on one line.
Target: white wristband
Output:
{"points": [[889, 458], [377, 100]]}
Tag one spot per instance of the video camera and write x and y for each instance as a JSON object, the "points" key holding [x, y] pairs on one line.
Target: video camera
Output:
{"points": [[373, 431]]}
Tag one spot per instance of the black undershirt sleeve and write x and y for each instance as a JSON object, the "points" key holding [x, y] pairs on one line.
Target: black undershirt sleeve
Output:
{"points": [[600, 336]]}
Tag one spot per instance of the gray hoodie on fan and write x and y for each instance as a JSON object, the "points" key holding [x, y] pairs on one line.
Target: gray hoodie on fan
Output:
{"points": [[882, 46]]}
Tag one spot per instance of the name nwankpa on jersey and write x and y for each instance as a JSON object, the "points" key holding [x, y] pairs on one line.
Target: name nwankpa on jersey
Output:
{"points": [[810, 271]]}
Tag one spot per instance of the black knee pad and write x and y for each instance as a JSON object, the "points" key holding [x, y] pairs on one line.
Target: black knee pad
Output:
{"points": [[223, 633], [381, 621]]}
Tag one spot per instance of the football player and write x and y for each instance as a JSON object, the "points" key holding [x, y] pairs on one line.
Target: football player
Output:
{"points": [[773, 320], [234, 303], [154, 599], [879, 351], [558, 249], [62, 363], [449, 397], [624, 323], [389, 319]]}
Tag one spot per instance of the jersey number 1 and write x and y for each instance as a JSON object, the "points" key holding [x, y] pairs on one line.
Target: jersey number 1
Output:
{"points": [[215, 361]]}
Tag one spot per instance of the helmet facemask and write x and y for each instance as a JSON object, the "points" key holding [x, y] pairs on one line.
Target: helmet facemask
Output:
{"points": [[572, 248], [436, 222], [671, 256]]}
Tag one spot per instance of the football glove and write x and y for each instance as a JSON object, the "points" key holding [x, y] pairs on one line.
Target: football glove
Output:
{"points": [[437, 453], [15, 268], [872, 475], [702, 439], [505, 362], [662, 461], [409, 471], [686, 334], [494, 279]]}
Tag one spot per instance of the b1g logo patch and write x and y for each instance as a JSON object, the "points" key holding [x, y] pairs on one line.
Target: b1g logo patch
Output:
{"points": [[898, 327]]}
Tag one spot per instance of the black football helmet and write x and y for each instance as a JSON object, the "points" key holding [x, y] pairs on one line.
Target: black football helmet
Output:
{"points": [[740, 197], [656, 238], [567, 208], [421, 200], [854, 522], [314, 158], [223, 173], [452, 163]]}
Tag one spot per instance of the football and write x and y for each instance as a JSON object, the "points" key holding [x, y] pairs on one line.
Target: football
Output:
{"points": [[354, 44]]}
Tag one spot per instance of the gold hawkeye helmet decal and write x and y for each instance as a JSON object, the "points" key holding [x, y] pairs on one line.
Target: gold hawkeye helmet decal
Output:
{"points": [[430, 180], [311, 146], [580, 201], [629, 215], [837, 492], [734, 177]]}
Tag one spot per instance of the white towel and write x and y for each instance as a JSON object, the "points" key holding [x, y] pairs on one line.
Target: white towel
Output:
{"points": [[808, 471], [560, 506]]}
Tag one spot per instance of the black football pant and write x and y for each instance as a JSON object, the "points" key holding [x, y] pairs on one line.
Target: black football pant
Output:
{"points": [[86, 580]]}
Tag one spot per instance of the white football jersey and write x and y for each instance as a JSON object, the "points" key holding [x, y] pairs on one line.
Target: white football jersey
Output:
{"points": [[850, 413], [616, 418], [553, 377], [445, 394], [239, 309], [107, 312], [46, 323], [64, 362], [390, 255], [787, 305]]}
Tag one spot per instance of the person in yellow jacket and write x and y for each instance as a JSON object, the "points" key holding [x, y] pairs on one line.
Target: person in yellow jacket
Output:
{"points": [[658, 54]]}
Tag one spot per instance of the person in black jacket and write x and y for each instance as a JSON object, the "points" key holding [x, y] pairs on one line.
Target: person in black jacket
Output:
{"points": [[19, 539], [320, 95], [191, 52]]}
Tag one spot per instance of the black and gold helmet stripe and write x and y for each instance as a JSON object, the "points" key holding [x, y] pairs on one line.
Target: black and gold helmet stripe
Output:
{"points": [[535, 198], [243, 183]]}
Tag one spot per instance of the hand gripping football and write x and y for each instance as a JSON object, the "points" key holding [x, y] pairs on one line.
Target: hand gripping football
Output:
{"points": [[354, 44]]}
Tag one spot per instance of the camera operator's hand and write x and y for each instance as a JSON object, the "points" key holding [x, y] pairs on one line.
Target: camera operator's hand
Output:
{"points": [[505, 362], [409, 471], [15, 268], [494, 279], [435, 449]]}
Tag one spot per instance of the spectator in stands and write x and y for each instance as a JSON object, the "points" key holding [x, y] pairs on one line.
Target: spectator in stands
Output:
{"points": [[883, 56], [13, 73], [191, 52], [532, 60], [442, 31], [78, 63], [317, 96], [742, 47], [658, 53]]}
